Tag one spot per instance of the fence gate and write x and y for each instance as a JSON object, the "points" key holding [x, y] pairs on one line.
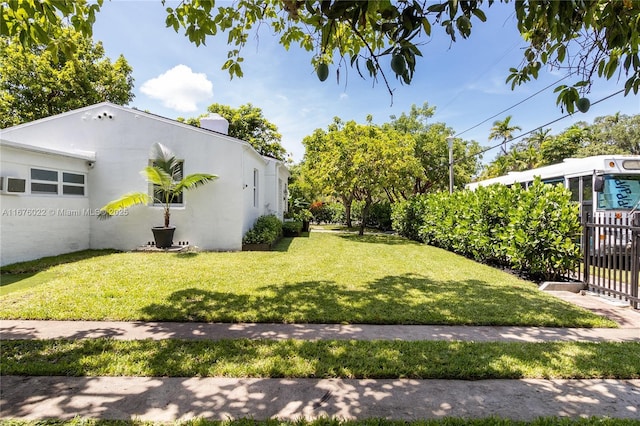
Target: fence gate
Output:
{"points": [[611, 256]]}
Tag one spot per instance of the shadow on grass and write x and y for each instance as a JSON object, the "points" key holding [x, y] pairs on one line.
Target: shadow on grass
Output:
{"points": [[403, 299], [187, 255], [42, 264], [378, 239], [283, 245]]}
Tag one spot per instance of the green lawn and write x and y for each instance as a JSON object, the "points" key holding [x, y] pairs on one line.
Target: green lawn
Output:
{"points": [[325, 278], [321, 359]]}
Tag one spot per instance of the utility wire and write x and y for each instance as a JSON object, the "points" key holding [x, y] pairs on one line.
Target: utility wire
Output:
{"points": [[515, 105], [537, 128]]}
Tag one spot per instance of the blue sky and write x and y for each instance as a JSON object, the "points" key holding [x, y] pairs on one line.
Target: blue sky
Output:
{"points": [[465, 80]]}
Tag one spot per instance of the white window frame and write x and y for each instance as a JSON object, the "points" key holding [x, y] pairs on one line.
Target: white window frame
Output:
{"points": [[33, 181], [256, 187], [153, 190], [59, 183], [82, 185]]}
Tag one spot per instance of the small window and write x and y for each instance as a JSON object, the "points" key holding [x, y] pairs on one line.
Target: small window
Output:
{"points": [[44, 181], [256, 177], [159, 195], [73, 184], [574, 187], [587, 188], [48, 182], [39, 174]]}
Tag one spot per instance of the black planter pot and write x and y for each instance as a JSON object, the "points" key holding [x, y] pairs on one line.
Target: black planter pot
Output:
{"points": [[163, 236]]}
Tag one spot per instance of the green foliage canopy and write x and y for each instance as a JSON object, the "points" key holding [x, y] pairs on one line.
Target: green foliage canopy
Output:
{"points": [[359, 162], [36, 82], [431, 150], [588, 38]]}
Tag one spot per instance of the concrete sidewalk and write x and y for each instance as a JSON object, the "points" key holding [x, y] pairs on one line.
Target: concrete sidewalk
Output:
{"points": [[18, 329], [170, 399]]}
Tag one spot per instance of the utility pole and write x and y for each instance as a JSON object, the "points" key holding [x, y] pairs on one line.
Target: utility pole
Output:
{"points": [[450, 142]]}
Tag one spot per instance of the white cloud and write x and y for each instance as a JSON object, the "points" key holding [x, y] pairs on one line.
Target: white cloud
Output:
{"points": [[343, 96], [179, 88]]}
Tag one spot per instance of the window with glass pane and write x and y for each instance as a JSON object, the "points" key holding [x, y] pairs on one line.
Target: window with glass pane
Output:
{"points": [[44, 181], [587, 188], [159, 195], [574, 187], [48, 182], [73, 184], [620, 192]]}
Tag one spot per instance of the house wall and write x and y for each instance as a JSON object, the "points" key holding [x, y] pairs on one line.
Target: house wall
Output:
{"points": [[213, 217], [34, 226]]}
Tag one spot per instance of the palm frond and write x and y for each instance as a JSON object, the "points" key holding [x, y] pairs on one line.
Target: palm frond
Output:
{"points": [[158, 176], [164, 158], [127, 200], [193, 181]]}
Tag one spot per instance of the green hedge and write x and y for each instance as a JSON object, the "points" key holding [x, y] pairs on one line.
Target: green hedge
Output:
{"points": [[533, 230], [266, 230], [292, 228]]}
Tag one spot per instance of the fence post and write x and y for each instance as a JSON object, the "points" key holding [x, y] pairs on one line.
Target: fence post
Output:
{"points": [[585, 249], [635, 236]]}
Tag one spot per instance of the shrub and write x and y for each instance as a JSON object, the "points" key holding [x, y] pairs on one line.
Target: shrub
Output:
{"points": [[320, 212], [266, 230], [543, 230], [291, 229], [532, 230], [407, 216], [336, 213]]}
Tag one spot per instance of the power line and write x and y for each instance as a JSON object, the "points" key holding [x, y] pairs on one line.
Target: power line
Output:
{"points": [[537, 128], [515, 105]]}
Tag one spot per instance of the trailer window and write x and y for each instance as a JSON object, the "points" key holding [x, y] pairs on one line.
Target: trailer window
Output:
{"points": [[620, 192], [574, 187]]}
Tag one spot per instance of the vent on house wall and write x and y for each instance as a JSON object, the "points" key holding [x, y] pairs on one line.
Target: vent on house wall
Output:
{"points": [[13, 185]]}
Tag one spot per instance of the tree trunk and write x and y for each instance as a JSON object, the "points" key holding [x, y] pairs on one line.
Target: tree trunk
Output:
{"points": [[347, 210], [166, 218], [363, 218]]}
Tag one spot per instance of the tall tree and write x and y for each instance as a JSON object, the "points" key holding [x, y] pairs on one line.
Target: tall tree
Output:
{"points": [[619, 130], [249, 124], [586, 38], [359, 161], [503, 130], [565, 145], [36, 82], [608, 135], [431, 149]]}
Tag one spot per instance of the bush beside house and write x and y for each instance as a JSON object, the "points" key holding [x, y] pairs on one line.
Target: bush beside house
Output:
{"points": [[264, 234]]}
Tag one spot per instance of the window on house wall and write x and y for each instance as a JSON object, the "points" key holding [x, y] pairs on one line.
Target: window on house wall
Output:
{"points": [[159, 195], [280, 199], [54, 182], [44, 181], [256, 178], [72, 184]]}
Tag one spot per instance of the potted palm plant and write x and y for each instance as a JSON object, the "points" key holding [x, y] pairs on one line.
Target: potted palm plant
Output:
{"points": [[165, 174]]}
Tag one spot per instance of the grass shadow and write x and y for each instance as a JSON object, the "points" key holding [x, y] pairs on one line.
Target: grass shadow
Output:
{"points": [[283, 245], [42, 264], [378, 239], [397, 299], [187, 255]]}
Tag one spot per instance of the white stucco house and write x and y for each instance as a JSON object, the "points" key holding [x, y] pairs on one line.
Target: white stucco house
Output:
{"points": [[57, 173]]}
